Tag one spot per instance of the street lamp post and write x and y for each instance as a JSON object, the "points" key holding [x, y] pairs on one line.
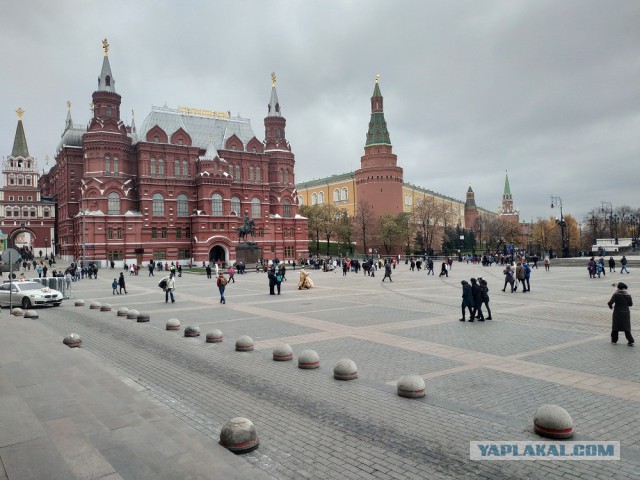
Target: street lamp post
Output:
{"points": [[46, 243], [594, 225], [634, 222], [557, 201], [615, 220]]}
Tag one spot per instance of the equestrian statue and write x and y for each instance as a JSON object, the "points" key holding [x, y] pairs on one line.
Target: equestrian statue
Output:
{"points": [[246, 228]]}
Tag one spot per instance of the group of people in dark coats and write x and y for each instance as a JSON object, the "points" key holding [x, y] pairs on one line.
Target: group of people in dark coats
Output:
{"points": [[473, 297]]}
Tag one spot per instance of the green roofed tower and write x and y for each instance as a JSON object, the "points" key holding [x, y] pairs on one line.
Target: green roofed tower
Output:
{"points": [[378, 133], [20, 148], [379, 179], [507, 210]]}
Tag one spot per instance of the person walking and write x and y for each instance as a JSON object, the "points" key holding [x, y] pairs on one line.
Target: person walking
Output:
{"points": [[601, 267], [271, 275], [509, 278], [484, 291], [546, 264], [279, 278], [444, 270], [387, 271], [222, 284], [612, 265], [430, 267], [621, 318], [520, 276], [114, 286], [527, 275], [623, 262], [169, 289], [476, 293], [208, 269], [231, 273], [121, 283], [467, 300]]}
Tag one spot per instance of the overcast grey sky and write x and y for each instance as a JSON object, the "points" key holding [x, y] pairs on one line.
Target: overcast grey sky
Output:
{"points": [[546, 89]]}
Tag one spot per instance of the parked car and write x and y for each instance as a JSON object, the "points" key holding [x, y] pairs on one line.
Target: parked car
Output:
{"points": [[28, 293]]}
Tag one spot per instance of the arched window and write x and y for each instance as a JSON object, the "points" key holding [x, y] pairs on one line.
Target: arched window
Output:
{"points": [[216, 204], [25, 211], [250, 174], [107, 164], [160, 166], [113, 204], [336, 195], [153, 166], [185, 168], [182, 205], [158, 205], [108, 110], [176, 168], [281, 172], [235, 206], [258, 178], [107, 80], [321, 198], [408, 200], [314, 199], [20, 179], [28, 180], [238, 173], [286, 177], [256, 211], [8, 211], [286, 209]]}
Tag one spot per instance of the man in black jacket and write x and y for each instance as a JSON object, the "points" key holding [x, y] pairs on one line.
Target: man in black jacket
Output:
{"points": [[476, 293]]}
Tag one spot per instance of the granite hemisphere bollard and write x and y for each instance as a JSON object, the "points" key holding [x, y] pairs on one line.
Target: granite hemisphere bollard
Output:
{"points": [[308, 359], [345, 369], [31, 314], [553, 421], [143, 317], [411, 386], [72, 340], [79, 303], [105, 307], [244, 344], [192, 331], [173, 324], [17, 312], [133, 314], [282, 353], [214, 336], [123, 311], [95, 305], [239, 435]]}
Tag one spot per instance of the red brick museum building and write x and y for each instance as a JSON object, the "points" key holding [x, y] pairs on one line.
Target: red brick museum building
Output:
{"points": [[177, 188]]}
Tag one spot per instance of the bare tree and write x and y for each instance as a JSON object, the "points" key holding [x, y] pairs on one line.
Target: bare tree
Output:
{"points": [[363, 223], [328, 224], [313, 214]]}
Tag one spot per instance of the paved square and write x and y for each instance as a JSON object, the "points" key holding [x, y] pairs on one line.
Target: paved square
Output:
{"points": [[484, 380]]}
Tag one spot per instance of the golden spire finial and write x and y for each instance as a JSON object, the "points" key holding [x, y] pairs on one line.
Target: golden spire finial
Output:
{"points": [[68, 105], [273, 79], [105, 45], [377, 77], [20, 112]]}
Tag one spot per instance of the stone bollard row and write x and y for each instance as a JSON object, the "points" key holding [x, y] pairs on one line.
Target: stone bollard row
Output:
{"points": [[239, 435], [72, 340]]}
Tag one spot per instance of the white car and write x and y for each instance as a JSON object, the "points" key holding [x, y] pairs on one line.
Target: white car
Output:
{"points": [[27, 294]]}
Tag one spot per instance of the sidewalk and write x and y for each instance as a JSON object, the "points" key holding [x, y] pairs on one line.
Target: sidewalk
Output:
{"points": [[65, 415]]}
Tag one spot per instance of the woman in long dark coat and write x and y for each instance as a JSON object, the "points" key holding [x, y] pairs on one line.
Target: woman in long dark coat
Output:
{"points": [[620, 303], [467, 300]]}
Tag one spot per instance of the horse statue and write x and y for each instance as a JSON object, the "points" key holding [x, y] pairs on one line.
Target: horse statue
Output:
{"points": [[246, 228]]}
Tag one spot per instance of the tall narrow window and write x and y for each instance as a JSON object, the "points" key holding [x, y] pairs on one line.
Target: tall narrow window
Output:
{"points": [[238, 174], [185, 169], [235, 206], [178, 233], [153, 167], [250, 174], [256, 211], [345, 194], [119, 233], [116, 166], [107, 164], [158, 205], [110, 233], [281, 174], [113, 204], [164, 232], [216, 204], [286, 177], [336, 195], [258, 179], [183, 205], [314, 199], [176, 168], [321, 198], [286, 209], [154, 232], [161, 166]]}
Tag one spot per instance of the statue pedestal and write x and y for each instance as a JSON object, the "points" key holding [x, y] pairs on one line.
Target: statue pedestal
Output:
{"points": [[247, 253]]}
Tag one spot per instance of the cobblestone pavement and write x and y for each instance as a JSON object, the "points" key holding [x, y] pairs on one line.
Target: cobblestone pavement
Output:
{"points": [[484, 380]]}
